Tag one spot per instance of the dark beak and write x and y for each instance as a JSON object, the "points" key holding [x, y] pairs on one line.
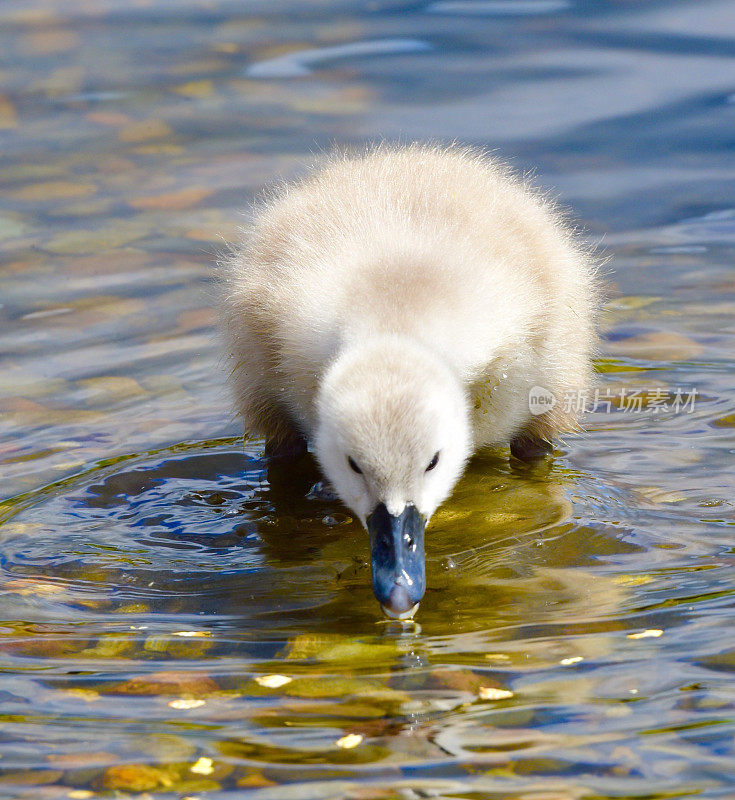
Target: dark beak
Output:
{"points": [[397, 550]]}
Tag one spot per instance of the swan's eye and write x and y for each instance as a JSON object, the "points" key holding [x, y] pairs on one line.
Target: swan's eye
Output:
{"points": [[434, 461], [353, 465]]}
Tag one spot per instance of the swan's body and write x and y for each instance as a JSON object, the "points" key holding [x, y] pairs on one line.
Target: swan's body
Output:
{"points": [[402, 303]]}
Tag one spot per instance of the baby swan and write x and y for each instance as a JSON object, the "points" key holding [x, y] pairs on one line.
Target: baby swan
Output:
{"points": [[394, 310]]}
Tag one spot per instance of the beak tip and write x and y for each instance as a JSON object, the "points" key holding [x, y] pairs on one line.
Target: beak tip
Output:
{"points": [[400, 615], [399, 602]]}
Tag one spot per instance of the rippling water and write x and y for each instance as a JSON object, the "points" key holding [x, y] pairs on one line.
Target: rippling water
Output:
{"points": [[576, 640]]}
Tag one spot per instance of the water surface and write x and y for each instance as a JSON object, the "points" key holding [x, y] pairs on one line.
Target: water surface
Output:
{"points": [[576, 640]]}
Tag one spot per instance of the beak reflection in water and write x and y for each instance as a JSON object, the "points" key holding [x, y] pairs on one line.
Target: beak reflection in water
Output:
{"points": [[397, 555]]}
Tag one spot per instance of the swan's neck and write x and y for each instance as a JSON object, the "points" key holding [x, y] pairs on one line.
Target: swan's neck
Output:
{"points": [[395, 349], [392, 365]]}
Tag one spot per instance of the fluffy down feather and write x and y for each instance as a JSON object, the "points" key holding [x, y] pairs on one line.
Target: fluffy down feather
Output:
{"points": [[400, 302]]}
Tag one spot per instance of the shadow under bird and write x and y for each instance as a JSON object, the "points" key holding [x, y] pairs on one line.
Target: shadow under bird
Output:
{"points": [[394, 310]]}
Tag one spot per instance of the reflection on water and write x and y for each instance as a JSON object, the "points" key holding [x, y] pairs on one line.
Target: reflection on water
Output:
{"points": [[575, 640]]}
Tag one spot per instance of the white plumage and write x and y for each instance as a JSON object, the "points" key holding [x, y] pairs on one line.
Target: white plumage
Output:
{"points": [[400, 303]]}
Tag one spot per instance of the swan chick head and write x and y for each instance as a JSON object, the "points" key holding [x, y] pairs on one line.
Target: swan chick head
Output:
{"points": [[392, 437]]}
